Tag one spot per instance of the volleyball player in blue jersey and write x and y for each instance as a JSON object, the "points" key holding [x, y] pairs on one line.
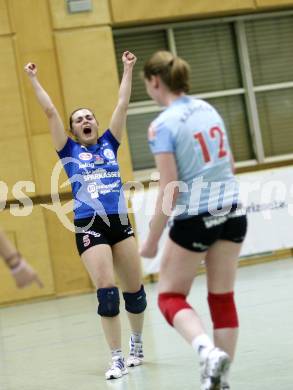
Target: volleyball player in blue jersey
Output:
{"points": [[104, 235], [190, 146], [23, 274]]}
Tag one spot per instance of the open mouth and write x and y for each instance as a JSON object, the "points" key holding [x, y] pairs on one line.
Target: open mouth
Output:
{"points": [[87, 131]]}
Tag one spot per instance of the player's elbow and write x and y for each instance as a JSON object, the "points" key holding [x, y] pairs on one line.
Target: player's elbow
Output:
{"points": [[50, 111], [122, 105]]}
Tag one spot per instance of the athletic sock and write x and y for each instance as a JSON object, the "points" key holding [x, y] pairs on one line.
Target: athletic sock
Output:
{"points": [[116, 352], [136, 337], [202, 344]]}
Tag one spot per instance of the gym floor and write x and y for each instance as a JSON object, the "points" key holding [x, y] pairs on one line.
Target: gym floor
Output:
{"points": [[59, 345]]}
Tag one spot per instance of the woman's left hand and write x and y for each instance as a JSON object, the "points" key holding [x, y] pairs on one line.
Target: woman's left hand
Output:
{"points": [[24, 275], [149, 249], [128, 58]]}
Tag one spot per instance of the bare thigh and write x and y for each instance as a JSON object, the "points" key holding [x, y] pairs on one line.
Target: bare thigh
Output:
{"points": [[98, 261], [178, 268], [127, 264], [221, 264]]}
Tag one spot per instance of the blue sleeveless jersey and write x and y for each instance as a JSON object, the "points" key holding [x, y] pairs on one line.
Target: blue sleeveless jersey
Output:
{"points": [[195, 133], [94, 175]]}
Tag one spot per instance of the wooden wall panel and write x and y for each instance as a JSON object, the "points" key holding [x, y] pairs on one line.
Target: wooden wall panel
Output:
{"points": [[11, 110], [4, 20], [70, 274], [63, 19], [129, 11], [31, 22], [34, 42], [90, 78], [48, 76], [124, 159], [273, 3], [45, 158], [15, 162], [30, 236], [88, 71]]}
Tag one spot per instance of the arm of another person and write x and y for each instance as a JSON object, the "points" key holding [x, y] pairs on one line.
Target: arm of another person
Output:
{"points": [[165, 202], [56, 126], [22, 272], [118, 120]]}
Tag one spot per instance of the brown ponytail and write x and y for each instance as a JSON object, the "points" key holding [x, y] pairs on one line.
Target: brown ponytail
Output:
{"points": [[173, 70]]}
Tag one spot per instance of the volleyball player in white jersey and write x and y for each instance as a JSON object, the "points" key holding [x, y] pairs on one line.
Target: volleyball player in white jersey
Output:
{"points": [[23, 274], [190, 146]]}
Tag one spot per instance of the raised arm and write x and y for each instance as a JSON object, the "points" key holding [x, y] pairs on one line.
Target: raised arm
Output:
{"points": [[118, 120], [56, 126]]}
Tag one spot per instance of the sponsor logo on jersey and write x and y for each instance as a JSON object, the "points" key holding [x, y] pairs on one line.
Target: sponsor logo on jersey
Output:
{"points": [[107, 188], [99, 160], [86, 165], [101, 174], [113, 162], [109, 154], [93, 190], [85, 156]]}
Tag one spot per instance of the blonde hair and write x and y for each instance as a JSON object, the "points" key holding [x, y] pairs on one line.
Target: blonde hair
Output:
{"points": [[173, 70]]}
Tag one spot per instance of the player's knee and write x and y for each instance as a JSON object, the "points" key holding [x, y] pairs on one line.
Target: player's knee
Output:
{"points": [[171, 303], [223, 310], [135, 302], [109, 301]]}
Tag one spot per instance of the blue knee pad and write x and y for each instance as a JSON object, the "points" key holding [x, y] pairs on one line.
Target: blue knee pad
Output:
{"points": [[135, 302], [109, 301]]}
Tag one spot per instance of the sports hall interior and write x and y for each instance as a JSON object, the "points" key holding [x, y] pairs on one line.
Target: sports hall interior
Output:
{"points": [[230, 46]]}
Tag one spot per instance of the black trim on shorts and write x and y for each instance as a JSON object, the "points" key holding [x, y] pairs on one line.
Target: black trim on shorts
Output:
{"points": [[108, 230]]}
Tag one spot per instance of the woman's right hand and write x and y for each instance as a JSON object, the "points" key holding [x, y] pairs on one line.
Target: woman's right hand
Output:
{"points": [[31, 69], [148, 249]]}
